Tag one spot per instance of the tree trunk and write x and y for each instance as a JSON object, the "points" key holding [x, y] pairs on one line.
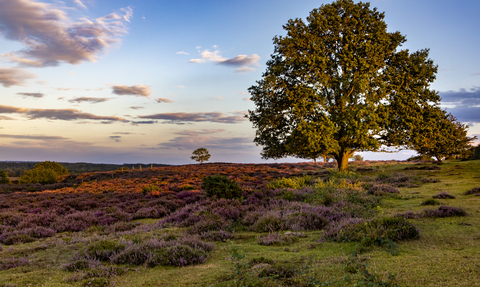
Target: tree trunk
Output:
{"points": [[342, 160], [315, 160]]}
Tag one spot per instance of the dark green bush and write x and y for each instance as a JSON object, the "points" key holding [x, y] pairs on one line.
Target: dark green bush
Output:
{"points": [[4, 178], [221, 186], [430, 201]]}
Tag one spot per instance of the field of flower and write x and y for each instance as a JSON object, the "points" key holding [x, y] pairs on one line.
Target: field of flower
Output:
{"points": [[381, 224]]}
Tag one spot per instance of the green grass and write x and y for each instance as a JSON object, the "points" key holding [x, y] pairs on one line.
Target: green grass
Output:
{"points": [[447, 253]]}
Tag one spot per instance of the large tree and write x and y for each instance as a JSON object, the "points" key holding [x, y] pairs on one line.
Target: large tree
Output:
{"points": [[338, 84], [440, 136]]}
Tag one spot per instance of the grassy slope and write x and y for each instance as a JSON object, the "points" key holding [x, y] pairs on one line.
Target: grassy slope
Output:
{"points": [[447, 254]]}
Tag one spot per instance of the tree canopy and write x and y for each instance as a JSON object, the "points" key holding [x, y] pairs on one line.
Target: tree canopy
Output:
{"points": [[44, 172], [340, 83], [440, 136], [200, 155]]}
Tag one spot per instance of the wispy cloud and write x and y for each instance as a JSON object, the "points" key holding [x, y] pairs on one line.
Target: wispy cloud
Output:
{"points": [[57, 114], [89, 99], [5, 118], [136, 107], [136, 123], [163, 100], [243, 62], [200, 132], [33, 95], [14, 76], [216, 117], [79, 4], [116, 138], [136, 90], [51, 38], [32, 137], [217, 98], [193, 142], [182, 53], [247, 99]]}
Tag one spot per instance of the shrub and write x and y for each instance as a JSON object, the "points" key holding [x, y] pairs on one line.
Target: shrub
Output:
{"points": [[382, 189], [4, 178], [475, 190], [216, 235], [430, 201], [444, 211], [381, 232], [443, 195], [9, 263], [80, 264], [44, 172], [15, 238], [221, 186], [357, 157], [293, 182], [149, 188], [103, 250]]}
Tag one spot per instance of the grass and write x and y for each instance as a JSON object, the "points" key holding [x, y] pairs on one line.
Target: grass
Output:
{"points": [[446, 254]]}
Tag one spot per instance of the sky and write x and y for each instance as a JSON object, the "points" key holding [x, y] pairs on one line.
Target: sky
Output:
{"points": [[149, 81]]}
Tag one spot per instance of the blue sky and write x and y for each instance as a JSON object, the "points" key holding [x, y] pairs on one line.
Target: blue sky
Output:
{"points": [[152, 80]]}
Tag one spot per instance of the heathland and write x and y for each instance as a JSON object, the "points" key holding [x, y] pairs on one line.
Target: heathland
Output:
{"points": [[383, 223]]}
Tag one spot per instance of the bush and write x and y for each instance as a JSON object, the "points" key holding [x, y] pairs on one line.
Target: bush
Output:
{"points": [[443, 195], [9, 263], [475, 190], [293, 182], [430, 201], [221, 186], [4, 178], [44, 172], [444, 211], [103, 250]]}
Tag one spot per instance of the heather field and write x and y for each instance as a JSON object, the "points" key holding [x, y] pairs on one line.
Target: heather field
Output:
{"points": [[382, 223]]}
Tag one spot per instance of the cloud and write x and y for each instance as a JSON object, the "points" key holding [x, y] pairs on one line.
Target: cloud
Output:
{"points": [[462, 97], [217, 98], [216, 117], [116, 138], [14, 76], [475, 74], [33, 137], [5, 118], [122, 133], [181, 87], [200, 132], [137, 90], [33, 95], [466, 114], [136, 107], [89, 99], [136, 123], [50, 38], [193, 142], [57, 114], [163, 100], [466, 104], [243, 62], [247, 99], [182, 53], [79, 4]]}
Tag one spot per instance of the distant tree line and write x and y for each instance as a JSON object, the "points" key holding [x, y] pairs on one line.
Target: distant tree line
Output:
{"points": [[18, 168]]}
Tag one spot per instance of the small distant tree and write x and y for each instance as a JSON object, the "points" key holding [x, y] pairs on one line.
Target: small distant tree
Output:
{"points": [[55, 166], [200, 155], [357, 157], [4, 178]]}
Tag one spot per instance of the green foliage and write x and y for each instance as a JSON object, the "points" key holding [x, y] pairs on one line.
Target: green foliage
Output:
{"points": [[149, 188], [221, 186], [39, 175], [430, 201], [357, 157], [292, 182], [55, 166], [338, 84], [44, 172], [103, 250], [4, 178], [476, 153], [440, 135], [200, 155]]}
